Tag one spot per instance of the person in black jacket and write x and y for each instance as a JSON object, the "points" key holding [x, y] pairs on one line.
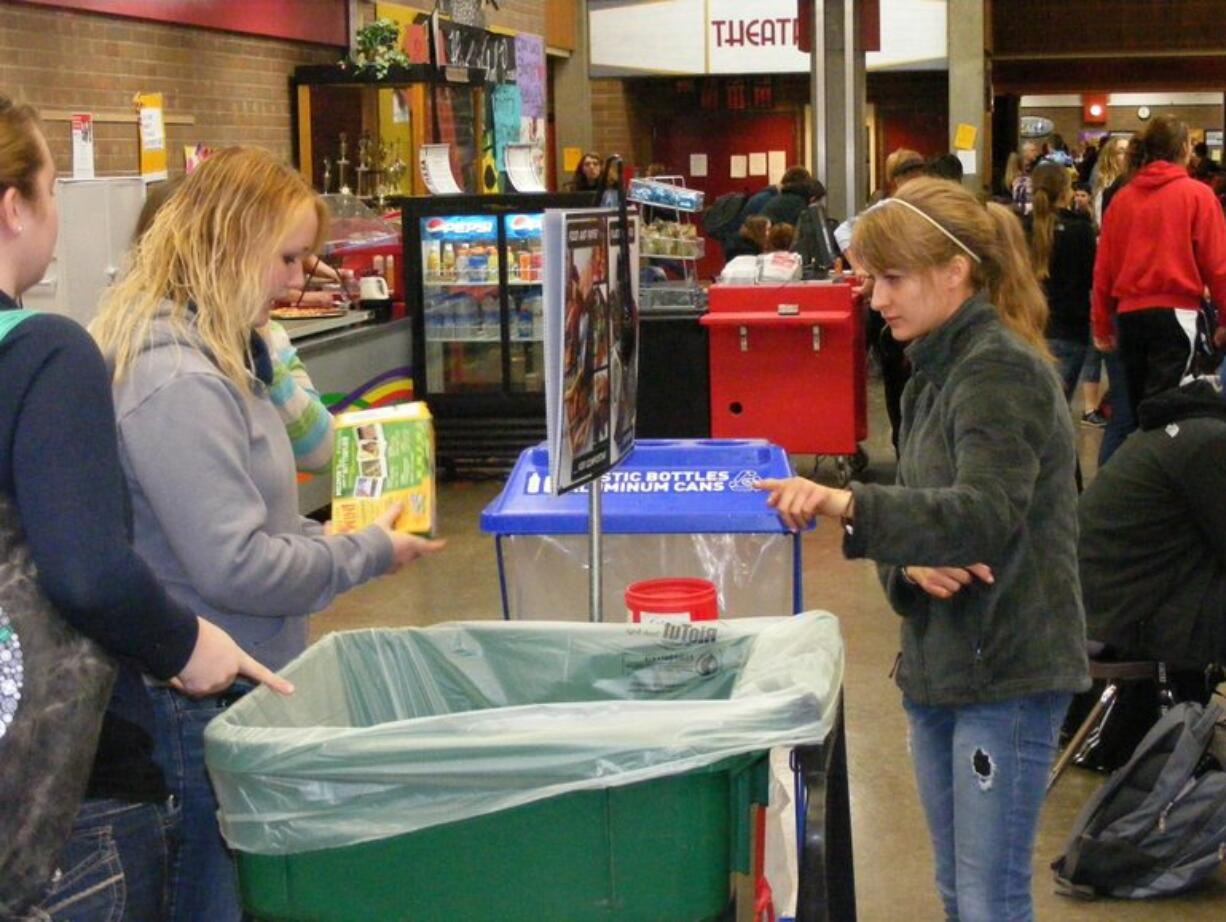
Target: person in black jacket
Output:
{"points": [[1152, 546], [795, 192], [59, 466], [1062, 255], [975, 543]]}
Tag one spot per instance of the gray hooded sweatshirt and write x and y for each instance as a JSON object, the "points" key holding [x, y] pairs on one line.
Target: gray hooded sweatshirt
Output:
{"points": [[215, 502]]}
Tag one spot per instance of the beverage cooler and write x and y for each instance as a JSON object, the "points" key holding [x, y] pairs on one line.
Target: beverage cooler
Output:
{"points": [[474, 276]]}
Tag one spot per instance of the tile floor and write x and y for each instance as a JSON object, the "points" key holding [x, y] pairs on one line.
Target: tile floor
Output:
{"points": [[892, 856]]}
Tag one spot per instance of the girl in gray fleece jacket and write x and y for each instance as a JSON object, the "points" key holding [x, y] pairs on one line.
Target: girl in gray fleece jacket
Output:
{"points": [[209, 464], [976, 543]]}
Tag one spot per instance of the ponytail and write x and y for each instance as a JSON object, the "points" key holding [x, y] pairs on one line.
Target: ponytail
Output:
{"points": [[951, 222], [1012, 285], [1049, 183]]}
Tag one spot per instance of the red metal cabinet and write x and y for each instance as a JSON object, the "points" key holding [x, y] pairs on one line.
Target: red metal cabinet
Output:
{"points": [[788, 365]]}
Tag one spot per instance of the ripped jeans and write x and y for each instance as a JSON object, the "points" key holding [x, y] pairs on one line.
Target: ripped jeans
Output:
{"points": [[982, 773]]}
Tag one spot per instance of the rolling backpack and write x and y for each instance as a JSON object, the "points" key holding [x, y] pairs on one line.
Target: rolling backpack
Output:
{"points": [[1158, 825]]}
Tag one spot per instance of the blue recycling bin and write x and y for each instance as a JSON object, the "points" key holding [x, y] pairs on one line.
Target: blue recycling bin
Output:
{"points": [[673, 508]]}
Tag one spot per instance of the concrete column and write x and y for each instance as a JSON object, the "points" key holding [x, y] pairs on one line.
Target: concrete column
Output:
{"points": [[968, 81], [837, 91], [572, 99]]}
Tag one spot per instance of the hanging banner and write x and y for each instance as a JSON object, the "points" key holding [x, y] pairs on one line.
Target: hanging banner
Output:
{"points": [[152, 127], [530, 73]]}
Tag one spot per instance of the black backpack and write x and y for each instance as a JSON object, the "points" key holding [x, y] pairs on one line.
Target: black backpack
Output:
{"points": [[724, 213], [1158, 825]]}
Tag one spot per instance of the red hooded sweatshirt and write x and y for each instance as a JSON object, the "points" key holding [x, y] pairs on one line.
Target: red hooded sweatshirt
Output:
{"points": [[1163, 242]]}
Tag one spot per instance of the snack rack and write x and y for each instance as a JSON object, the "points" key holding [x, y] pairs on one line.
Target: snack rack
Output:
{"points": [[682, 250]]}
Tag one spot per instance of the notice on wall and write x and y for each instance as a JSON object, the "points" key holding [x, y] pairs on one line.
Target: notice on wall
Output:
{"points": [[698, 165], [964, 137], [570, 158], [149, 108], [523, 168], [777, 165], [738, 166], [970, 163], [757, 164], [436, 169], [82, 145]]}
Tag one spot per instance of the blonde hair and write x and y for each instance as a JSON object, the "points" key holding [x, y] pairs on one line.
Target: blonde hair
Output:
{"points": [[1050, 185], [904, 155], [1013, 169], [1112, 162], [896, 238], [210, 245]]}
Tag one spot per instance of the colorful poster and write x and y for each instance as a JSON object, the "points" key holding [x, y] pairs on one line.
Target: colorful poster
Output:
{"points": [[591, 344], [507, 108], [530, 73]]}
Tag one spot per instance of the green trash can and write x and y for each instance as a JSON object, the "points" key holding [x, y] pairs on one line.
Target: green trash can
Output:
{"points": [[517, 770]]}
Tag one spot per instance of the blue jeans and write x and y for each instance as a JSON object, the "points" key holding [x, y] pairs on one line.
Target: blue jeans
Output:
{"points": [[1122, 422], [1070, 357], [203, 879], [982, 773], [114, 866]]}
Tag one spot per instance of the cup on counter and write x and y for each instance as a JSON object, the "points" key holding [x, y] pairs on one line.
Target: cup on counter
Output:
{"points": [[375, 296]]}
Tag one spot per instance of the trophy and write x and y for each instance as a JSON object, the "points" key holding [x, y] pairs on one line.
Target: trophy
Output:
{"points": [[363, 167], [327, 183], [342, 166]]}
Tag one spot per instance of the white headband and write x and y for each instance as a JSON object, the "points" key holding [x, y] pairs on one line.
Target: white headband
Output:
{"points": [[933, 221]]}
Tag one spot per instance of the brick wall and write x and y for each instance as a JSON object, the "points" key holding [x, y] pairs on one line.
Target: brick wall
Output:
{"points": [[236, 87], [618, 126]]}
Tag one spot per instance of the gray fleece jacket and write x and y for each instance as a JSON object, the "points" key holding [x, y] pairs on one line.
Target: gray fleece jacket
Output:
{"points": [[215, 502], [985, 475]]}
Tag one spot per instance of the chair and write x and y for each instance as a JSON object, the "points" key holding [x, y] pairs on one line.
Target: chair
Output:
{"points": [[1113, 675]]}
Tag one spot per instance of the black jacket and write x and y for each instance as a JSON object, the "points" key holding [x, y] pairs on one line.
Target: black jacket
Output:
{"points": [[1072, 276], [786, 207], [985, 475], [1152, 552]]}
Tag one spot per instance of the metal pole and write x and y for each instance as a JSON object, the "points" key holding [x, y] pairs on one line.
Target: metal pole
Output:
{"points": [[817, 90], [595, 532]]}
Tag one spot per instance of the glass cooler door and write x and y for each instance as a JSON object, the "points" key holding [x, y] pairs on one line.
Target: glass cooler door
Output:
{"points": [[524, 303], [461, 305]]}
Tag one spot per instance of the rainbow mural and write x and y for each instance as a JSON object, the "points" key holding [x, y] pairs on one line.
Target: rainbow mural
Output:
{"points": [[393, 386]]}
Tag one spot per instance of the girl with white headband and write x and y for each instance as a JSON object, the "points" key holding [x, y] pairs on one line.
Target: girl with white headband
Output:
{"points": [[976, 541]]}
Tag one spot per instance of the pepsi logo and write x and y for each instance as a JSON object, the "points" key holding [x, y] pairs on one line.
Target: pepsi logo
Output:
{"points": [[521, 222], [435, 225]]}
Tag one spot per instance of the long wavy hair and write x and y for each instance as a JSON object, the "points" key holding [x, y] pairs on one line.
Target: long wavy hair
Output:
{"points": [[210, 245], [1050, 186], [897, 238], [1112, 162]]}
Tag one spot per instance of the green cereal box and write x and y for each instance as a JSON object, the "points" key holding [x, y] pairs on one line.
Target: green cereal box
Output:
{"points": [[384, 456]]}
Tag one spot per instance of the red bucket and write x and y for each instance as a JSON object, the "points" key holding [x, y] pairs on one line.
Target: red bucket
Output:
{"points": [[674, 599]]}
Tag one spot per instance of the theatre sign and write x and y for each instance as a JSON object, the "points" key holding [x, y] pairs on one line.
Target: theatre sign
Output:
{"points": [[630, 37]]}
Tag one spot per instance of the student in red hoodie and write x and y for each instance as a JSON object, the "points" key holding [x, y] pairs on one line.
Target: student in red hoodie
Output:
{"points": [[1163, 243]]}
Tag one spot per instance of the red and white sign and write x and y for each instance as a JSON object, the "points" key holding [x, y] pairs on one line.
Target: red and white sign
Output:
{"points": [[82, 145], [754, 38]]}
